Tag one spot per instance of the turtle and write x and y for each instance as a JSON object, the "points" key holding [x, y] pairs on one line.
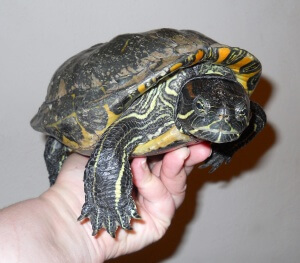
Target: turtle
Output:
{"points": [[143, 94]]}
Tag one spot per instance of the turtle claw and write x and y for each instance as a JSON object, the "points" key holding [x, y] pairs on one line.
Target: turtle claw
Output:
{"points": [[135, 215], [109, 218], [216, 159]]}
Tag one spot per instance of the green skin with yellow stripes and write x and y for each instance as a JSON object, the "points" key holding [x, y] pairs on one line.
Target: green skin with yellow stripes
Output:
{"points": [[145, 94]]}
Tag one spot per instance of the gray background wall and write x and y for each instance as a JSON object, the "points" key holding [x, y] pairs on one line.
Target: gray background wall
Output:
{"points": [[248, 211]]}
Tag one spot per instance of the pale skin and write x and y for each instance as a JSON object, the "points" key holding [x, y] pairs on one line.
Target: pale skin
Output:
{"points": [[45, 229]]}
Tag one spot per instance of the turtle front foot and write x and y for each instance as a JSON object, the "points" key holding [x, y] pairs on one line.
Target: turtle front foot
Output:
{"points": [[109, 217], [220, 154]]}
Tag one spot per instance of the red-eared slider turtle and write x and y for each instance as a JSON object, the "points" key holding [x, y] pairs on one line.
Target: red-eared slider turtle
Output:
{"points": [[145, 94]]}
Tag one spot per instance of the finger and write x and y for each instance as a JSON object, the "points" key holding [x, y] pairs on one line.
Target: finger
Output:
{"points": [[173, 174], [199, 153], [155, 163], [153, 195]]}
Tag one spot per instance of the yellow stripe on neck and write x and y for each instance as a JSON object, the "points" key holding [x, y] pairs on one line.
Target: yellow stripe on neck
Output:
{"points": [[161, 142]]}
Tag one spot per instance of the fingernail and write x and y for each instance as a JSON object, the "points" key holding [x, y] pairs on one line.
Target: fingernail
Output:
{"points": [[208, 146], [144, 164], [187, 152]]}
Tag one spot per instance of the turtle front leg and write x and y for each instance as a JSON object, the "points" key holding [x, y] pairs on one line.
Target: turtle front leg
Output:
{"points": [[55, 154], [108, 181], [223, 152]]}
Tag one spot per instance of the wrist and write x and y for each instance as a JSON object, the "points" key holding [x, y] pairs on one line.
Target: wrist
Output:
{"points": [[35, 230]]}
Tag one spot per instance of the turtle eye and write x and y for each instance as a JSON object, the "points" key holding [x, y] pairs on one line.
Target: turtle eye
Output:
{"points": [[200, 106], [241, 113]]}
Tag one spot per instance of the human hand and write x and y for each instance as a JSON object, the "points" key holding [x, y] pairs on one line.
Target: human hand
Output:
{"points": [[160, 191], [45, 229]]}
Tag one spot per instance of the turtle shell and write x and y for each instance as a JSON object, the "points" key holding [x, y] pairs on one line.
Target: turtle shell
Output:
{"points": [[93, 88]]}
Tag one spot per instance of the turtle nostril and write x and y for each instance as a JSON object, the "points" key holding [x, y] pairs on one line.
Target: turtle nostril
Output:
{"points": [[223, 116]]}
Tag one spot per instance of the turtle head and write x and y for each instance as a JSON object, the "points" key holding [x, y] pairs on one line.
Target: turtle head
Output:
{"points": [[213, 109]]}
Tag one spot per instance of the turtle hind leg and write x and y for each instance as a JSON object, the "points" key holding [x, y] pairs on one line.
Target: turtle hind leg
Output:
{"points": [[222, 153], [55, 154]]}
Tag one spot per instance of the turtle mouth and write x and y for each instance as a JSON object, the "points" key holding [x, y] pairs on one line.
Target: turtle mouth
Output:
{"points": [[216, 135], [220, 130]]}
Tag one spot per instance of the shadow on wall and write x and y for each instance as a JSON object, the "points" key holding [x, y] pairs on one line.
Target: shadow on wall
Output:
{"points": [[245, 159]]}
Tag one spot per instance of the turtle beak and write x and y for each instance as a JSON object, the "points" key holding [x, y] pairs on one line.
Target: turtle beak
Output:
{"points": [[219, 132]]}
